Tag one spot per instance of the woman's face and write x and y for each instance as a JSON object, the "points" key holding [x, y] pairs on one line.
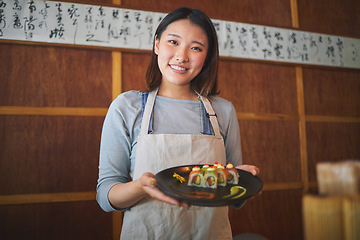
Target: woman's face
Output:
{"points": [[181, 50]]}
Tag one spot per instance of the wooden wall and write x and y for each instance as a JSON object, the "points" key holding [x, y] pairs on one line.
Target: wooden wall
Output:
{"points": [[53, 100]]}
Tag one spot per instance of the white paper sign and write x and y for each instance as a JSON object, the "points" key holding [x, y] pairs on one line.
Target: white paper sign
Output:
{"points": [[81, 24]]}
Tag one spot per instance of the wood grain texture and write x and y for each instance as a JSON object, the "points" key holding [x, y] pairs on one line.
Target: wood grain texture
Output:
{"points": [[274, 215], [332, 92], [258, 88], [331, 142], [53, 156], [52, 111], [48, 154], [46, 198], [302, 128], [256, 12], [335, 17], [54, 77], [56, 221], [116, 74], [273, 146], [134, 70]]}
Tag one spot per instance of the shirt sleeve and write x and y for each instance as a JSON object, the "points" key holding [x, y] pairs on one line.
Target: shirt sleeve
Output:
{"points": [[229, 127], [115, 149], [233, 140]]}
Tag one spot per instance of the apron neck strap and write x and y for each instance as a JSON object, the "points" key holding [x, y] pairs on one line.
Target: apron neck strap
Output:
{"points": [[210, 113], [148, 112], [150, 105]]}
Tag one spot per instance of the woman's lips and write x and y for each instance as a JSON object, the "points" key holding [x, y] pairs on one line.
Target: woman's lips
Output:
{"points": [[178, 68]]}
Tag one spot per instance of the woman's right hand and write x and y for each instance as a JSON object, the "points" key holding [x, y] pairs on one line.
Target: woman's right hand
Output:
{"points": [[124, 195], [148, 183]]}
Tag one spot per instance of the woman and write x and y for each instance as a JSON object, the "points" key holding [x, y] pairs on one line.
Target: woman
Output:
{"points": [[172, 124]]}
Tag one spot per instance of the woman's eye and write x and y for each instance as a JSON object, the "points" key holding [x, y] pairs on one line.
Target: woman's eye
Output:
{"points": [[173, 42], [197, 49]]}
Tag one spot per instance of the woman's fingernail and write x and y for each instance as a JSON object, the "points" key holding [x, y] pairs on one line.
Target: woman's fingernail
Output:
{"points": [[152, 183]]}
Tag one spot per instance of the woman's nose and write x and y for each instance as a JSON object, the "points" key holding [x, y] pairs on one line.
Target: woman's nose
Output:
{"points": [[181, 55]]}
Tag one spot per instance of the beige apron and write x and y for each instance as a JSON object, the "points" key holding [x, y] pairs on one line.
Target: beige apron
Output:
{"points": [[152, 219]]}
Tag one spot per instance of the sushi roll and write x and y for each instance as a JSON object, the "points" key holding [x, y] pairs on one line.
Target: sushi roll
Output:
{"points": [[222, 175], [233, 175], [195, 177], [204, 169], [210, 178]]}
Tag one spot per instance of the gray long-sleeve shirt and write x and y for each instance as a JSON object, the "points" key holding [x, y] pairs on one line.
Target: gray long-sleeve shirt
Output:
{"points": [[175, 116]]}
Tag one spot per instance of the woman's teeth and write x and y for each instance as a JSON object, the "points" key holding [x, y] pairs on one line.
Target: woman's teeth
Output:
{"points": [[178, 68]]}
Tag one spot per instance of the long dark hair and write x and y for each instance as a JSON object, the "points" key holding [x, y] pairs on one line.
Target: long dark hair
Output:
{"points": [[205, 83]]}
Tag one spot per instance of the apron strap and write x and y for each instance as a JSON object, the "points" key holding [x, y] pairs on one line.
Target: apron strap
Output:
{"points": [[145, 124], [211, 115]]}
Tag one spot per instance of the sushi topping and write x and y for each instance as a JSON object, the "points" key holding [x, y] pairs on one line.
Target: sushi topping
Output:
{"points": [[196, 168], [178, 177], [229, 165]]}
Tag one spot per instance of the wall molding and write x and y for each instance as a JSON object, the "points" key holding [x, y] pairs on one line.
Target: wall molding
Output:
{"points": [[91, 196], [52, 111]]}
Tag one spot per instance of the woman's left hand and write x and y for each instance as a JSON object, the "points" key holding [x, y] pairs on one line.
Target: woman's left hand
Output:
{"points": [[249, 168], [253, 170]]}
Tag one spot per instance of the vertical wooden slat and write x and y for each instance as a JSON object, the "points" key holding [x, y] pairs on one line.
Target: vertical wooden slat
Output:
{"points": [[116, 90], [117, 223], [301, 106], [302, 128], [116, 74], [294, 13]]}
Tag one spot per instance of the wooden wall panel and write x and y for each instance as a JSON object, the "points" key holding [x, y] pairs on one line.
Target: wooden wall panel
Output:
{"points": [[274, 215], [55, 221], [257, 12], [258, 87], [54, 151], [274, 147], [48, 154], [332, 142], [337, 17], [54, 76], [332, 92], [134, 70]]}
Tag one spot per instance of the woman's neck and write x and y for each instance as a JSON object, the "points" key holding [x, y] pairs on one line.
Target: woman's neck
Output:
{"points": [[177, 92]]}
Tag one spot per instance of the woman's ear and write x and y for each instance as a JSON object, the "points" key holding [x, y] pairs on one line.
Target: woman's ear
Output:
{"points": [[156, 47]]}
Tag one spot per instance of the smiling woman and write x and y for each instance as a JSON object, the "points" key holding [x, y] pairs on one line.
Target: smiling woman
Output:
{"points": [[172, 124]]}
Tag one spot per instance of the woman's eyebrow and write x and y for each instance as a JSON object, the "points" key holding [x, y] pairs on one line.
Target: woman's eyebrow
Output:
{"points": [[178, 36]]}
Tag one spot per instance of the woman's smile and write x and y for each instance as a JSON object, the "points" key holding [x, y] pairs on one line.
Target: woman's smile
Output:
{"points": [[178, 68]]}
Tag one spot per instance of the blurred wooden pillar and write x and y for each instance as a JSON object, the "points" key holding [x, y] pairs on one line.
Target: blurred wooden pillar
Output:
{"points": [[351, 210], [331, 217], [117, 223], [322, 217], [301, 106], [116, 90]]}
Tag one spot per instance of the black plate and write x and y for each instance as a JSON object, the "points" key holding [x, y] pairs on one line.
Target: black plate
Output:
{"points": [[206, 196]]}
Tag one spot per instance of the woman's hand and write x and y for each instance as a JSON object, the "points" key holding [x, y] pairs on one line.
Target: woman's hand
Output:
{"points": [[249, 168], [148, 183], [253, 170]]}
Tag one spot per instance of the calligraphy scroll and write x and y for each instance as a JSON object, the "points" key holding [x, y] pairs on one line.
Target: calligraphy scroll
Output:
{"points": [[81, 24]]}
